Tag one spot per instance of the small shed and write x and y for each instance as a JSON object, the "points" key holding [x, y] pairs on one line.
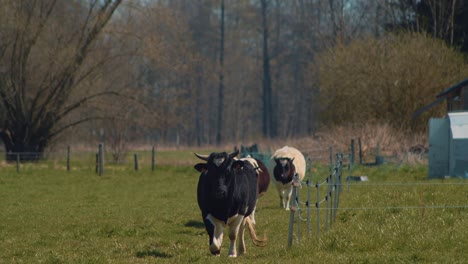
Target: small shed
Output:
{"points": [[448, 136]]}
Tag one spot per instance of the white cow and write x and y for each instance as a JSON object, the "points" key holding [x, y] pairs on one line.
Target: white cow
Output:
{"points": [[289, 161]]}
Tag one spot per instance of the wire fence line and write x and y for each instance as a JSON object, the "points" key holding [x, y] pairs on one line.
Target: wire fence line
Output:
{"points": [[328, 192], [398, 184], [97, 158]]}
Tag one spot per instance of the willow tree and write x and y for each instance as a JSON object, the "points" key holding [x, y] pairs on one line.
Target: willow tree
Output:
{"points": [[45, 46]]}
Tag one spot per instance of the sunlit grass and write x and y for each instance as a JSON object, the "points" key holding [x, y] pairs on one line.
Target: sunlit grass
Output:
{"points": [[49, 215]]}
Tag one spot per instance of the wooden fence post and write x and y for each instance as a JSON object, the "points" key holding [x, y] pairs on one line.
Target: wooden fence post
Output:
{"points": [[17, 162], [135, 158], [360, 151], [68, 158], [101, 159], [97, 162], [153, 159]]}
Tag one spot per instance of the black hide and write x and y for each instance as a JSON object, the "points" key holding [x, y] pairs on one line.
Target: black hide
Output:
{"points": [[225, 190], [284, 174]]}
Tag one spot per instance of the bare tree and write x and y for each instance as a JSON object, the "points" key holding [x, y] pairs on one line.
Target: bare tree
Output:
{"points": [[42, 66]]}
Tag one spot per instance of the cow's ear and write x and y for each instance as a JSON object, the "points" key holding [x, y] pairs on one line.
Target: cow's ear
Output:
{"points": [[234, 154], [201, 167], [238, 164]]}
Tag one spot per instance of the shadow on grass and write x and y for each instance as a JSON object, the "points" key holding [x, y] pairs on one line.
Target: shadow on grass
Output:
{"points": [[196, 224], [152, 253]]}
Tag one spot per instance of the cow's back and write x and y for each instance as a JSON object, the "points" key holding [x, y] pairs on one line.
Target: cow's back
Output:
{"points": [[244, 190]]}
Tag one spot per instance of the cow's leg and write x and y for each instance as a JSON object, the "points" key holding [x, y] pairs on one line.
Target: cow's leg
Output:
{"points": [[234, 224], [215, 245], [241, 242], [281, 199], [252, 215], [288, 193], [280, 188]]}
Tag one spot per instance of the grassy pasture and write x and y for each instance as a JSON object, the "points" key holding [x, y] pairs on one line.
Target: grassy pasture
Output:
{"points": [[48, 215]]}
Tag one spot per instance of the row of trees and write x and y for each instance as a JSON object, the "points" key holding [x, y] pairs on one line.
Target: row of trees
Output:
{"points": [[210, 71]]}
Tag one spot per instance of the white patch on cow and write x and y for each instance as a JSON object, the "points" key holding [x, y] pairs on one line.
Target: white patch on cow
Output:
{"points": [[218, 161], [253, 162], [217, 234], [283, 162], [236, 226]]}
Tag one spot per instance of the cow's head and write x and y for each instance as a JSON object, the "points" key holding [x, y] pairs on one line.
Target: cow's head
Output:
{"points": [[217, 170], [284, 169]]}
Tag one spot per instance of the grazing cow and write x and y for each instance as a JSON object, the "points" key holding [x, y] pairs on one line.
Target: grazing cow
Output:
{"points": [[227, 194], [289, 161]]}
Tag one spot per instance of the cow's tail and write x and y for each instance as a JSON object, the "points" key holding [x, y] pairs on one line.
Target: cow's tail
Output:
{"points": [[257, 241]]}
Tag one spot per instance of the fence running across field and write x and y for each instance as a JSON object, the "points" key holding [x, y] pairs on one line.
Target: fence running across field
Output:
{"points": [[331, 199], [328, 194], [98, 157], [328, 189]]}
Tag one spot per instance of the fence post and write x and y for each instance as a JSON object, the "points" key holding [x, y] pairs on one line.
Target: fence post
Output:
{"points": [[298, 210], [153, 159], [97, 163], [352, 152], [309, 182], [101, 160], [17, 162], [360, 151], [292, 209], [327, 199], [68, 158], [136, 161], [317, 205]]}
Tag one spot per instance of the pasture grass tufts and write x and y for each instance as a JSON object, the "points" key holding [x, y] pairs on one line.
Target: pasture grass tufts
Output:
{"points": [[49, 215]]}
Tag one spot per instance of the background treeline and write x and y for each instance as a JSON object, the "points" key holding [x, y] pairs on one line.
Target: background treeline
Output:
{"points": [[211, 71]]}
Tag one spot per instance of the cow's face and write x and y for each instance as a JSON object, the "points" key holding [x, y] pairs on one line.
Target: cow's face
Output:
{"points": [[284, 169], [217, 172]]}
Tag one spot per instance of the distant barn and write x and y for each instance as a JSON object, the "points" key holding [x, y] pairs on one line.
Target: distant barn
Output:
{"points": [[448, 136]]}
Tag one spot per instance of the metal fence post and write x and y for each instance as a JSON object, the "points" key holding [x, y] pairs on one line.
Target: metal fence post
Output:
{"points": [[317, 205], [309, 182], [292, 209], [327, 199]]}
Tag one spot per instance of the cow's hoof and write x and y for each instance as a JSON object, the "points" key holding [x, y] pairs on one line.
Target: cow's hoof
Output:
{"points": [[216, 253], [232, 255]]}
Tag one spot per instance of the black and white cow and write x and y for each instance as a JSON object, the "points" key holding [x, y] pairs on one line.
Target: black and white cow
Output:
{"points": [[227, 194]]}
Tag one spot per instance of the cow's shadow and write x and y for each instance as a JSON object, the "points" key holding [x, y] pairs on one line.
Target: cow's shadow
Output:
{"points": [[152, 253], [195, 224]]}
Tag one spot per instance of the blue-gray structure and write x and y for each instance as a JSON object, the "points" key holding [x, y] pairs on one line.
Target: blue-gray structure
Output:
{"points": [[448, 136]]}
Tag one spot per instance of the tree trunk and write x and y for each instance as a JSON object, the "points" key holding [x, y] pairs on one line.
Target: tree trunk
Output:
{"points": [[267, 107], [221, 80]]}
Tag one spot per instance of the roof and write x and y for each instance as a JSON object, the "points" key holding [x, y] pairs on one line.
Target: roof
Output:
{"points": [[441, 96], [453, 88]]}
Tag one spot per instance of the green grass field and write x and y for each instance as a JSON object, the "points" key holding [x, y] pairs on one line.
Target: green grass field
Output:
{"points": [[49, 215]]}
